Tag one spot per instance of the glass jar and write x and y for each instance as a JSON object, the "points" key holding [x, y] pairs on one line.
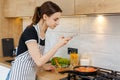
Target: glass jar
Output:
{"points": [[85, 59], [74, 59]]}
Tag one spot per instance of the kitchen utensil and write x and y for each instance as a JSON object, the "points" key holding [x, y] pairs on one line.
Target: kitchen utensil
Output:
{"points": [[86, 70], [82, 73], [59, 66]]}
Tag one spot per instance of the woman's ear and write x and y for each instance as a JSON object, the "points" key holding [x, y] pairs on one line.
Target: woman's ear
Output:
{"points": [[45, 16]]}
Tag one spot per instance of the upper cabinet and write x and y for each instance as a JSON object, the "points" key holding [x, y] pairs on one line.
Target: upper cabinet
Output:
{"points": [[23, 8], [67, 6], [19, 8], [97, 6]]}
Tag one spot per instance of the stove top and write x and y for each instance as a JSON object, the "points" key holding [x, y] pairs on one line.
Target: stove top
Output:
{"points": [[102, 74]]}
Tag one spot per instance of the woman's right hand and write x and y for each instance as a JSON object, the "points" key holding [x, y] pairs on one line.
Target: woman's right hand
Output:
{"points": [[63, 40]]}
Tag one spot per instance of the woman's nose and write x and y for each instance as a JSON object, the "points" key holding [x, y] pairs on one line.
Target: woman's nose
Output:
{"points": [[57, 22]]}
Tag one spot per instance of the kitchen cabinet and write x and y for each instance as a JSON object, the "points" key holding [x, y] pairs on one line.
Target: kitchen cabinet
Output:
{"points": [[66, 5], [23, 8], [3, 72], [19, 8], [97, 6], [4, 67]]}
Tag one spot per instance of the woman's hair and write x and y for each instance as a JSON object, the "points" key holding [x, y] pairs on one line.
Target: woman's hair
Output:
{"points": [[47, 8]]}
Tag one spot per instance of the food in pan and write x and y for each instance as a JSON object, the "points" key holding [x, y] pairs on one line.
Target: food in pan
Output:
{"points": [[86, 69]]}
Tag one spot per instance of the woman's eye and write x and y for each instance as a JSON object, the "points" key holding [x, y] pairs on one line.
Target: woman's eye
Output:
{"points": [[55, 19]]}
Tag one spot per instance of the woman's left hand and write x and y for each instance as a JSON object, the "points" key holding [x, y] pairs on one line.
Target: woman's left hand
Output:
{"points": [[48, 67]]}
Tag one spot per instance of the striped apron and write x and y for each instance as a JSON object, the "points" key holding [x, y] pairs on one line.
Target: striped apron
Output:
{"points": [[24, 68]]}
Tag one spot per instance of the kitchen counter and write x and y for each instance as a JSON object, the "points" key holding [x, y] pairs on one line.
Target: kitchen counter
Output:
{"points": [[4, 63], [41, 74], [50, 75]]}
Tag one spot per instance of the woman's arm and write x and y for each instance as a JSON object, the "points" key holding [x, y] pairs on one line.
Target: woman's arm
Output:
{"points": [[40, 60]]}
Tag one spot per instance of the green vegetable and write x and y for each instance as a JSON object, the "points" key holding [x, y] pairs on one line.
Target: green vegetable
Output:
{"points": [[62, 61]]}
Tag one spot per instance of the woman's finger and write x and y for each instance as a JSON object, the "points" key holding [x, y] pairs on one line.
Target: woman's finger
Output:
{"points": [[68, 38]]}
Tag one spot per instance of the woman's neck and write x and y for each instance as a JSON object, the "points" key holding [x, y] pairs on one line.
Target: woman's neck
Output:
{"points": [[43, 28]]}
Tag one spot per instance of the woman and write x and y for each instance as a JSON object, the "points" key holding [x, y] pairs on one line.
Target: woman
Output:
{"points": [[32, 41]]}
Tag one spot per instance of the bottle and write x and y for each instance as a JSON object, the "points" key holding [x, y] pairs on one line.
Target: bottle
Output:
{"points": [[15, 52], [85, 59]]}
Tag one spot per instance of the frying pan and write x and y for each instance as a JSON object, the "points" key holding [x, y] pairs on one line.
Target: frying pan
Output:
{"points": [[77, 70], [87, 70]]}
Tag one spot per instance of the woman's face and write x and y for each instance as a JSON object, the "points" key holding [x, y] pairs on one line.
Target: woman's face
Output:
{"points": [[53, 20]]}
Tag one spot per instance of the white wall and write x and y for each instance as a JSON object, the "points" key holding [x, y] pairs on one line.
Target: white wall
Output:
{"points": [[102, 38], [97, 36], [66, 27]]}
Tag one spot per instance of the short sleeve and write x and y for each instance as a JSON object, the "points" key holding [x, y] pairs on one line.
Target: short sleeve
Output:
{"points": [[30, 34]]}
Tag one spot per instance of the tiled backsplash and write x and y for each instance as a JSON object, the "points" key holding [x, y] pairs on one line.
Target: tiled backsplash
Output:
{"points": [[97, 36]]}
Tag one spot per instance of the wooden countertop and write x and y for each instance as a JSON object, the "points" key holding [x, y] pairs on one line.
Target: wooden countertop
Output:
{"points": [[50, 75], [4, 63], [42, 74]]}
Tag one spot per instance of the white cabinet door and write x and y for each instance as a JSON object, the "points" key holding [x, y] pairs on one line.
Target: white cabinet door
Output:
{"points": [[3, 72]]}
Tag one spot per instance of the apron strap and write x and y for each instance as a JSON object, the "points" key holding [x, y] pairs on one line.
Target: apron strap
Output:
{"points": [[38, 32]]}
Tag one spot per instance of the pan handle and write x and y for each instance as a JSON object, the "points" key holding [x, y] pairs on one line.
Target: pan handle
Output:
{"points": [[67, 71]]}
